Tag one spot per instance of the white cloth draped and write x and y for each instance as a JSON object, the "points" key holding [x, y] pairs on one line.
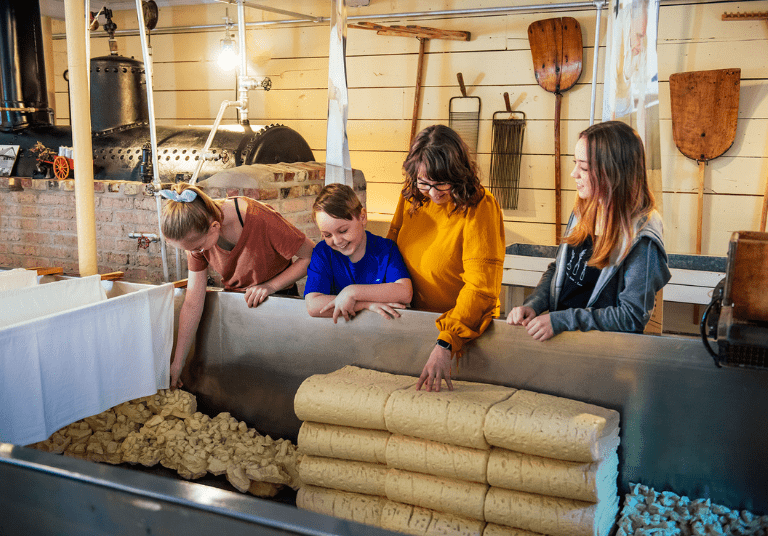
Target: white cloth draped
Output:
{"points": [[17, 278], [59, 368], [22, 304]]}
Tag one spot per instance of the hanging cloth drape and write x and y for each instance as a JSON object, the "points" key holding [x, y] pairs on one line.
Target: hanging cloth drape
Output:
{"points": [[631, 90], [337, 163]]}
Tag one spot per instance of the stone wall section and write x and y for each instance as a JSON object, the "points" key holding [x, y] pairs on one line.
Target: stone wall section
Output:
{"points": [[38, 223]]}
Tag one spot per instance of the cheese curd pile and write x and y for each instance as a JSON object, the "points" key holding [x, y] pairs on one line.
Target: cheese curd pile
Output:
{"points": [[647, 512], [166, 428]]}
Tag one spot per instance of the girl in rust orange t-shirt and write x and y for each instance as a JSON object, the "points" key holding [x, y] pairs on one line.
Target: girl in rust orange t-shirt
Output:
{"points": [[247, 242]]}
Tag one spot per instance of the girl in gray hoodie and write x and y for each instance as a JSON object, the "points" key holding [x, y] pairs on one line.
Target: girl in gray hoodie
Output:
{"points": [[612, 261]]}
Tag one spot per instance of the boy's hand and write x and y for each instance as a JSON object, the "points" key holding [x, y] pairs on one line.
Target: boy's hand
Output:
{"points": [[343, 305], [387, 310]]}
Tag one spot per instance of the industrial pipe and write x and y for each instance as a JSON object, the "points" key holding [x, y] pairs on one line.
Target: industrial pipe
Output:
{"points": [[570, 6], [599, 7], [153, 135], [243, 82]]}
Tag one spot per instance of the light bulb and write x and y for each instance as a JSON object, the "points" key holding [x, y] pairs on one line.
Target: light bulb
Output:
{"points": [[228, 58]]}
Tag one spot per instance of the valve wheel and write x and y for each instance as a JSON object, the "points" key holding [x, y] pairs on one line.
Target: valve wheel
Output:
{"points": [[60, 168]]}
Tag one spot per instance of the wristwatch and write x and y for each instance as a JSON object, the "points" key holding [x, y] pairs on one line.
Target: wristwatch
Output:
{"points": [[442, 344]]}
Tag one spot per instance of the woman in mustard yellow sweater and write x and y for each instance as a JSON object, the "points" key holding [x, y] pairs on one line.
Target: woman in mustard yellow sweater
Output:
{"points": [[450, 232]]}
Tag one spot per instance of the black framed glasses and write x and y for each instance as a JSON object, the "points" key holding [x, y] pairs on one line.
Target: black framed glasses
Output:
{"points": [[426, 187]]}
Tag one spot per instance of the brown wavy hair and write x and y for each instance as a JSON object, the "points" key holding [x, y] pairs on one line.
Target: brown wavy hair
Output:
{"points": [[180, 219], [446, 158], [338, 201], [620, 191]]}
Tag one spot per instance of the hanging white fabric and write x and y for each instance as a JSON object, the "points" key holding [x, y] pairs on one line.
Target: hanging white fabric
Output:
{"points": [[18, 278], [32, 302], [62, 367], [631, 88], [337, 163]]}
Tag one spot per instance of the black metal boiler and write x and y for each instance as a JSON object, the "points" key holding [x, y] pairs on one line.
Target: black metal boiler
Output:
{"points": [[119, 117]]}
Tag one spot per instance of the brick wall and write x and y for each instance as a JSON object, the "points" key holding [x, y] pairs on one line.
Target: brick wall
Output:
{"points": [[38, 227]]}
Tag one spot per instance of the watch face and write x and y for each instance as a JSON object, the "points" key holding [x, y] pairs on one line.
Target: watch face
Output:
{"points": [[442, 344]]}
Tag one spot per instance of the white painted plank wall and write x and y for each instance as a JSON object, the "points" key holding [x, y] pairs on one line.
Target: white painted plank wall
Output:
{"points": [[381, 75]]}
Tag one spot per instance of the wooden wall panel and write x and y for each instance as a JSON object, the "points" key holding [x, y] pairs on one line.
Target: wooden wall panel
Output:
{"points": [[381, 77]]}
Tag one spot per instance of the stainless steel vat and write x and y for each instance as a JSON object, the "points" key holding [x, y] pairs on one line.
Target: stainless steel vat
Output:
{"points": [[686, 426]]}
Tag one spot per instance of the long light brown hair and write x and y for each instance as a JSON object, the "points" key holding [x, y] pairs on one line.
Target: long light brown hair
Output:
{"points": [[446, 158], [180, 219], [620, 192]]}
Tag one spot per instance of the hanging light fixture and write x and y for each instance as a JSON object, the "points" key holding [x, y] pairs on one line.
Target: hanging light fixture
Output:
{"points": [[228, 58]]}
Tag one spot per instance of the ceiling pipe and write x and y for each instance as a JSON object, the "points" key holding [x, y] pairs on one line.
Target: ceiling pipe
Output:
{"points": [[569, 6]]}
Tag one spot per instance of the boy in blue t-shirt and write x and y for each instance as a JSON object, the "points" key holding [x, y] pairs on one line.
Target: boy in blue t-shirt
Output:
{"points": [[353, 269]]}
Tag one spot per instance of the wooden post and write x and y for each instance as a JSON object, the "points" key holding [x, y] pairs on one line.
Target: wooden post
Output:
{"points": [[417, 93]]}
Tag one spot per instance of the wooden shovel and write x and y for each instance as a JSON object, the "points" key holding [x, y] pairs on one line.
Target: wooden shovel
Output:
{"points": [[705, 108], [556, 49]]}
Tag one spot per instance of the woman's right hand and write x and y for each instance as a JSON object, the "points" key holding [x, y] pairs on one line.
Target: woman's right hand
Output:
{"points": [[176, 367], [520, 316], [256, 294], [437, 369]]}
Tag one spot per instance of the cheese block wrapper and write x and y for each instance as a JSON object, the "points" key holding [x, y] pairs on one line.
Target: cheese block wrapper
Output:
{"points": [[441, 494], [553, 427], [439, 459], [554, 516], [418, 521], [346, 475], [351, 506], [343, 442], [491, 529], [454, 417], [584, 481], [350, 396]]}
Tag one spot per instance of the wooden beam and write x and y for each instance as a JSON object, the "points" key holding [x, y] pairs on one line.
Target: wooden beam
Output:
{"points": [[48, 270]]}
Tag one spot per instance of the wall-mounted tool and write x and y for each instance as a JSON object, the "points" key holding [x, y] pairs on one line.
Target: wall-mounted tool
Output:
{"points": [[556, 49], [423, 34], [507, 149], [705, 109], [464, 115]]}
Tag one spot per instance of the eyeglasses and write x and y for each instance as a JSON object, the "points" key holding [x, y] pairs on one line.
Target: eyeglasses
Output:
{"points": [[426, 187]]}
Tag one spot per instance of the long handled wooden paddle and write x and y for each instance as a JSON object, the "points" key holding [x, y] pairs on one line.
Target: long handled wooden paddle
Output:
{"points": [[705, 109], [556, 49]]}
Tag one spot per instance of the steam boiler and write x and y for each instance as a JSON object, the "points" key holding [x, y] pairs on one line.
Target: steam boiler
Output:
{"points": [[119, 118]]}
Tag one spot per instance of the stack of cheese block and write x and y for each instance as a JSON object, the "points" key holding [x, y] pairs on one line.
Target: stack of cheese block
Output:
{"points": [[478, 460]]}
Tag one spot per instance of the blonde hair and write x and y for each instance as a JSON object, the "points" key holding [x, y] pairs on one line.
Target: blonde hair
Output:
{"points": [[180, 219], [338, 201]]}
